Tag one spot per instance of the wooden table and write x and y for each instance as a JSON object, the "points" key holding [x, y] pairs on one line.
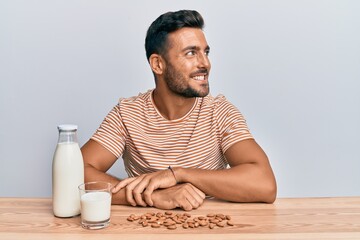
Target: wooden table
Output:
{"points": [[301, 218]]}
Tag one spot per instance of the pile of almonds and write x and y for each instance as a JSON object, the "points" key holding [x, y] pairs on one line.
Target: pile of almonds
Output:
{"points": [[171, 220]]}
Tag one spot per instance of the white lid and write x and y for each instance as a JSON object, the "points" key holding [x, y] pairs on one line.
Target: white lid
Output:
{"points": [[67, 127]]}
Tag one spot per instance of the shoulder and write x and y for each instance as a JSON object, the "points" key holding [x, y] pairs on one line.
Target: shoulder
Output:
{"points": [[216, 103], [135, 101], [214, 99]]}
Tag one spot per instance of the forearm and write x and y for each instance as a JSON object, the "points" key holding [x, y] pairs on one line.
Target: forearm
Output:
{"points": [[242, 183], [185, 196], [92, 174]]}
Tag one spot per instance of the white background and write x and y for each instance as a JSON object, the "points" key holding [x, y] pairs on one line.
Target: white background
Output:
{"points": [[291, 67]]}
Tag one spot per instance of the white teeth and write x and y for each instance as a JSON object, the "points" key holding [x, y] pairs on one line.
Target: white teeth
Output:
{"points": [[199, 78]]}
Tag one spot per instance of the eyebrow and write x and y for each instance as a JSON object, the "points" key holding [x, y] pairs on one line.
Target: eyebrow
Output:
{"points": [[195, 48]]}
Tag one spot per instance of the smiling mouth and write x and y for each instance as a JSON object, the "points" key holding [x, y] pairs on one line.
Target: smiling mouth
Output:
{"points": [[199, 77]]}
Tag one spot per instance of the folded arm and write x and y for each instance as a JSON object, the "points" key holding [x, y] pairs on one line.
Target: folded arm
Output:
{"points": [[97, 160], [249, 178]]}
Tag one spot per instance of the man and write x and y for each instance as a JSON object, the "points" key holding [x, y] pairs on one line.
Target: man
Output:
{"points": [[178, 143]]}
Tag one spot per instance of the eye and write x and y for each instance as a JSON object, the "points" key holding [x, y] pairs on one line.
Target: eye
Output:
{"points": [[190, 53], [207, 52]]}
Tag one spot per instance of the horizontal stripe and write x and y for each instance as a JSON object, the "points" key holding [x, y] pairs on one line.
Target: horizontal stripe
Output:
{"points": [[136, 131]]}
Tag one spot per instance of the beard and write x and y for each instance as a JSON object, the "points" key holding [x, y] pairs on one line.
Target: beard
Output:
{"points": [[177, 83]]}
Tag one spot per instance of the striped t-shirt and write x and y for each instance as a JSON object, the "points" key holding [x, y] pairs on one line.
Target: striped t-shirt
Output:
{"points": [[136, 131]]}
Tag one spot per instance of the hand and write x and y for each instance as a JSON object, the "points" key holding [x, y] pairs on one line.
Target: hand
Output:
{"points": [[140, 188], [185, 196]]}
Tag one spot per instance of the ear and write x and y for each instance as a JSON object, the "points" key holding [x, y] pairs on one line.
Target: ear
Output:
{"points": [[157, 64]]}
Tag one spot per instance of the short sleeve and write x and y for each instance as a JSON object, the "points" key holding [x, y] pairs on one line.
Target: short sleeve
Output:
{"points": [[112, 133], [232, 125]]}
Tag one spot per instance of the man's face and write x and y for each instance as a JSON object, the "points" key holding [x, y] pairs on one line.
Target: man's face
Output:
{"points": [[187, 64]]}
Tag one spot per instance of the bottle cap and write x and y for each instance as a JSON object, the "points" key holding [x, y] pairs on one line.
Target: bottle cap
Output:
{"points": [[67, 127]]}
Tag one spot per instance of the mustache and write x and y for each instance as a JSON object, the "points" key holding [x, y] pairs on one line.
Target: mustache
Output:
{"points": [[201, 71]]}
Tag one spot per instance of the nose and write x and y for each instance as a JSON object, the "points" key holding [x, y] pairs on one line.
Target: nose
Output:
{"points": [[204, 61]]}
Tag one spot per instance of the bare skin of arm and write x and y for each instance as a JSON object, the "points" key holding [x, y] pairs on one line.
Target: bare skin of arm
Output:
{"points": [[97, 160], [250, 178], [184, 196]]}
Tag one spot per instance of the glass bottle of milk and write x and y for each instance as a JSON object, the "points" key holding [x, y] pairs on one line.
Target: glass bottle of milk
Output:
{"points": [[67, 173]]}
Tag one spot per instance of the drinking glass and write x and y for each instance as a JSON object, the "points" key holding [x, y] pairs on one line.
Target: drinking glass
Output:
{"points": [[95, 200]]}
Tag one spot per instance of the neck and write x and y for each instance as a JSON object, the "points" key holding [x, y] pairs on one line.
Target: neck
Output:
{"points": [[172, 106]]}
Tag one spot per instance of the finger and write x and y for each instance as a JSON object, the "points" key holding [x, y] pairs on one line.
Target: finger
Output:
{"points": [[191, 198], [148, 192], [138, 199], [129, 191], [161, 180], [188, 200], [138, 190], [186, 205], [122, 184], [200, 195]]}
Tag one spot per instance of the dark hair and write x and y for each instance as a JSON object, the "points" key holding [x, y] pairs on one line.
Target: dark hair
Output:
{"points": [[156, 36]]}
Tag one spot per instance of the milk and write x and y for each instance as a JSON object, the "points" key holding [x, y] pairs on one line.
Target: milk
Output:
{"points": [[95, 206], [68, 174]]}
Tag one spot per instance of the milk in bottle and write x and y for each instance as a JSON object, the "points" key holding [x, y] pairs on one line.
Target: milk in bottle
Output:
{"points": [[67, 173]]}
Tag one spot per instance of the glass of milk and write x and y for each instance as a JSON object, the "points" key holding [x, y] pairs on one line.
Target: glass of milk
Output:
{"points": [[95, 199]]}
